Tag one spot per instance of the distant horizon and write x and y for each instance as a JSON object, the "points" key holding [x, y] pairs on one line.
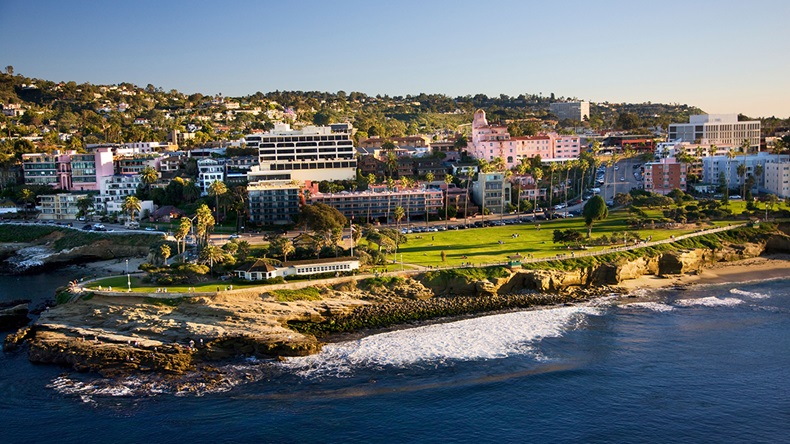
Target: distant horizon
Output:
{"points": [[722, 57]]}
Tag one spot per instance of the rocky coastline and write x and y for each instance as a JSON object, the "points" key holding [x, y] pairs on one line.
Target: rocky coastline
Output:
{"points": [[121, 335]]}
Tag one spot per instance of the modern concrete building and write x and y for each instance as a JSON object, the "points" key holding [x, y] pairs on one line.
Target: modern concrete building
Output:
{"points": [[722, 130], [115, 189], [312, 153], [273, 202], [209, 171], [577, 111], [713, 166]]}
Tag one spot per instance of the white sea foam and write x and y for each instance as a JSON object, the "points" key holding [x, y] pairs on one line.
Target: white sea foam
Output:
{"points": [[749, 294], [652, 306], [710, 301], [487, 337]]}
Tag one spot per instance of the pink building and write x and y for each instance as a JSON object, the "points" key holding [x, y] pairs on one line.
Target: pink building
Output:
{"points": [[490, 141], [68, 171]]}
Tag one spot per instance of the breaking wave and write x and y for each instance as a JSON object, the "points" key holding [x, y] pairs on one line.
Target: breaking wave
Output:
{"points": [[749, 294], [652, 306], [710, 301], [488, 337]]}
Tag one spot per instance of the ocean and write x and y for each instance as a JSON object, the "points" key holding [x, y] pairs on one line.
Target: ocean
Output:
{"points": [[706, 364]]}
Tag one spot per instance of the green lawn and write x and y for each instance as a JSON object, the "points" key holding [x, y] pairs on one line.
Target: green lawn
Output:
{"points": [[481, 245], [118, 283]]}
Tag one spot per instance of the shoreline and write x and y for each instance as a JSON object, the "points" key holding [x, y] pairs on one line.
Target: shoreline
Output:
{"points": [[745, 270]]}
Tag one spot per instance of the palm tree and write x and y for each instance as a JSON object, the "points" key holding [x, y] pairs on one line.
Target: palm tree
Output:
{"points": [[205, 223], [448, 179], [408, 184], [537, 175], [217, 189], [741, 172], [391, 163], [399, 213], [552, 169], [164, 251], [612, 163], [148, 176], [181, 232], [428, 178], [131, 205], [26, 196], [287, 248], [730, 156]]}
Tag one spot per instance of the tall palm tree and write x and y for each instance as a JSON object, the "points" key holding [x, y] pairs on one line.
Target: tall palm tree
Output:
{"points": [[730, 157], [181, 233], [741, 172], [148, 176], [131, 205], [552, 169], [537, 175], [26, 195], [448, 179], [399, 213], [408, 184], [217, 189], [612, 162], [205, 223]]}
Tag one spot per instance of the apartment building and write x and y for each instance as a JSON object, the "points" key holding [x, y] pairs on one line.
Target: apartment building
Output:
{"points": [[713, 166], [312, 153], [372, 204], [722, 130], [273, 202], [209, 171], [665, 175], [115, 189], [492, 192], [61, 206], [777, 177]]}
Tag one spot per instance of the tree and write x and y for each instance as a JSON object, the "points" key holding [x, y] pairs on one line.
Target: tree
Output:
{"points": [[164, 252], [212, 255], [84, 205], [448, 179], [131, 205], [217, 189], [740, 170], [730, 157], [537, 175], [205, 224], [181, 232], [594, 210], [399, 213], [26, 195], [148, 176]]}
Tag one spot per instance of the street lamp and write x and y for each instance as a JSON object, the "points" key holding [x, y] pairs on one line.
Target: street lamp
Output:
{"points": [[128, 278]]}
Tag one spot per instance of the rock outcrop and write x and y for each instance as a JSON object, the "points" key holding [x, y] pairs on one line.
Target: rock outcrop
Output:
{"points": [[13, 314]]}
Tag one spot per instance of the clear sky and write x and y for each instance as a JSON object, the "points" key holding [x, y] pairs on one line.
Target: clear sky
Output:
{"points": [[725, 56]]}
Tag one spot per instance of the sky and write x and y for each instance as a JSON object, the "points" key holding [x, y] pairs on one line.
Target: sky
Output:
{"points": [[723, 56]]}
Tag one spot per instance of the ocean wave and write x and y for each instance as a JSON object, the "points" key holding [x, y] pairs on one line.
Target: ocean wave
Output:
{"points": [[749, 294], [488, 337], [710, 301], [652, 306]]}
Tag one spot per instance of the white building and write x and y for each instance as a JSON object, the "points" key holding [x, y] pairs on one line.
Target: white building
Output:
{"points": [[115, 189], [722, 130], [260, 270], [576, 111], [713, 166], [209, 171], [777, 177], [492, 192], [312, 153]]}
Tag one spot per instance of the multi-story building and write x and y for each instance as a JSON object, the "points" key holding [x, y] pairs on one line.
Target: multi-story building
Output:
{"points": [[88, 169], [273, 202], [491, 141], [115, 189], [577, 111], [237, 168], [134, 164], [722, 130], [209, 171], [312, 153], [381, 203], [665, 175], [492, 192], [714, 166], [45, 169], [59, 206], [68, 170], [777, 177]]}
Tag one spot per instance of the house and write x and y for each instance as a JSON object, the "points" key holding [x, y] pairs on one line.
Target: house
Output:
{"points": [[256, 271], [166, 213]]}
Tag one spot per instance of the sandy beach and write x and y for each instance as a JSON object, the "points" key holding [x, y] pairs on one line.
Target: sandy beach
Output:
{"points": [[759, 268], [113, 267]]}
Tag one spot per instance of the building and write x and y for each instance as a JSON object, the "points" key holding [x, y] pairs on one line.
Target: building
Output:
{"points": [[492, 192], [714, 166], [61, 206], [68, 170], [312, 153], [115, 189], [492, 141], [273, 202], [260, 270], [88, 169], [45, 169], [722, 130], [209, 171], [777, 177], [134, 164], [379, 202], [576, 111], [665, 175]]}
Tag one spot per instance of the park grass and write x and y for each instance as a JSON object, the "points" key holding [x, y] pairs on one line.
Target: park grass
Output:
{"points": [[302, 294], [481, 245], [118, 283]]}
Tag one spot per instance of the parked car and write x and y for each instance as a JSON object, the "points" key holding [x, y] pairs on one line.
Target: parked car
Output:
{"points": [[233, 236]]}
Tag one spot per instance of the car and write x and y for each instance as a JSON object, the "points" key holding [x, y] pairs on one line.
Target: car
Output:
{"points": [[559, 206], [233, 236], [150, 229], [622, 179], [616, 167], [88, 227]]}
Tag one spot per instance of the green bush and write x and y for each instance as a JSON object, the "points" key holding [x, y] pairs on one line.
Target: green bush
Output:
{"points": [[303, 294]]}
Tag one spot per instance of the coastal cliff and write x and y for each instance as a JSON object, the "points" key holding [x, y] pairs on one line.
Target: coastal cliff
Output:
{"points": [[122, 334]]}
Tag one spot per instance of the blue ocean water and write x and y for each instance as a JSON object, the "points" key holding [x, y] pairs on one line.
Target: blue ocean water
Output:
{"points": [[709, 364]]}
